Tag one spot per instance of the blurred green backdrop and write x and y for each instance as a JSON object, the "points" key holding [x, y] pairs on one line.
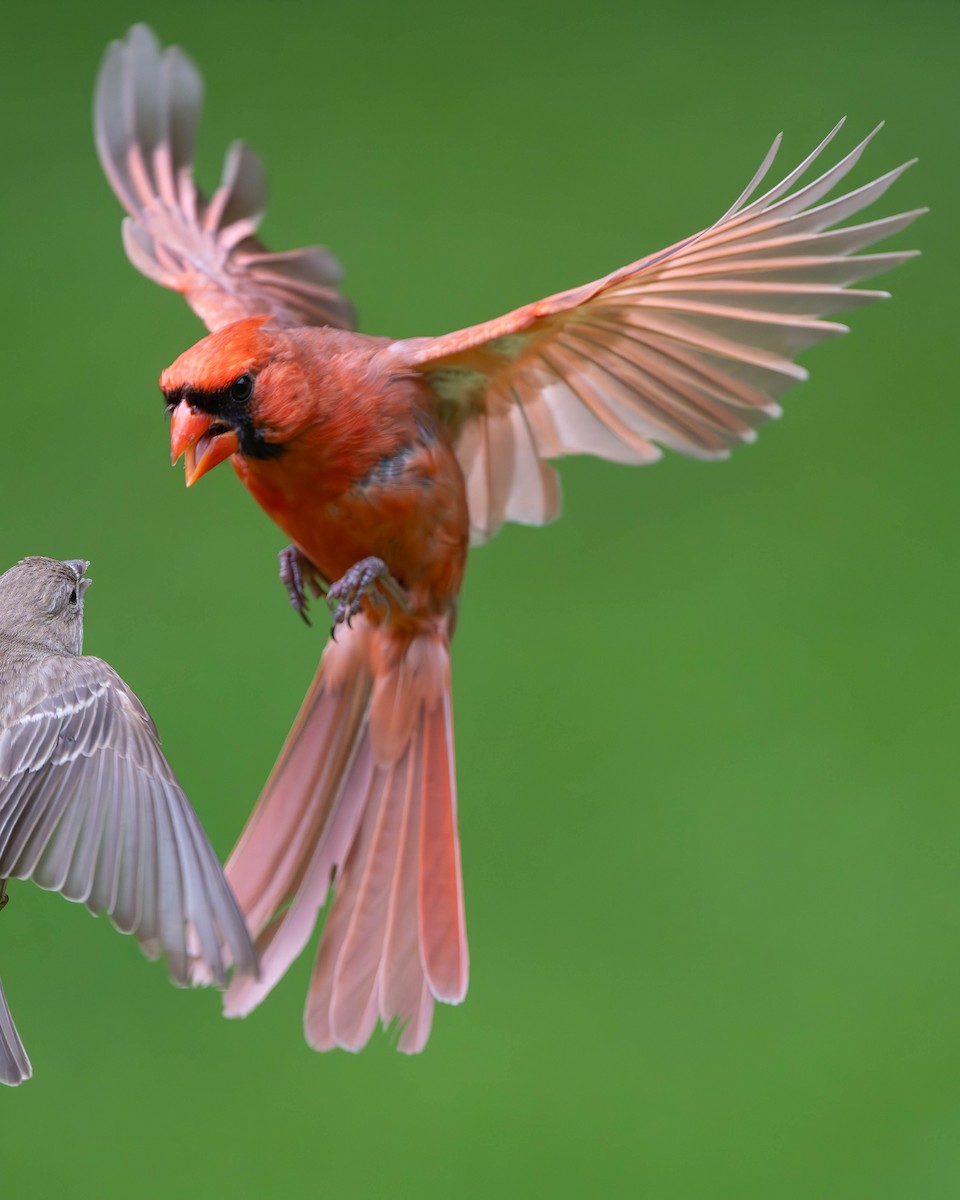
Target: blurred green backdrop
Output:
{"points": [[707, 757]]}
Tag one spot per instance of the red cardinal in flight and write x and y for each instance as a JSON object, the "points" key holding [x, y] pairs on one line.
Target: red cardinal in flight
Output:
{"points": [[383, 460]]}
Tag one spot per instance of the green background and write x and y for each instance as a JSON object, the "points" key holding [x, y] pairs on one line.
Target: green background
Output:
{"points": [[706, 751]]}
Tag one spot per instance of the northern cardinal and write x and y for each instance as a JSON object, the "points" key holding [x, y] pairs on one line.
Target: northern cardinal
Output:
{"points": [[89, 806], [383, 459]]}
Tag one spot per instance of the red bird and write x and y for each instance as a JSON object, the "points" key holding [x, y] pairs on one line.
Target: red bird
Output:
{"points": [[381, 460]]}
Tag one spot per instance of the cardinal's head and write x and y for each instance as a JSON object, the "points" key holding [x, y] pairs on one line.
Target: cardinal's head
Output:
{"points": [[222, 395]]}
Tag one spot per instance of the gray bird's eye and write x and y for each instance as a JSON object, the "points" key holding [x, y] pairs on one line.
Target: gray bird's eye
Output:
{"points": [[73, 596]]}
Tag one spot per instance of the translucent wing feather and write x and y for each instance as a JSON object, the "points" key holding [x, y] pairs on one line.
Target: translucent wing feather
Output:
{"points": [[146, 113], [688, 349]]}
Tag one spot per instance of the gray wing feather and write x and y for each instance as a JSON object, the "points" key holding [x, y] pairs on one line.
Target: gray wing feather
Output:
{"points": [[14, 1064], [90, 807]]}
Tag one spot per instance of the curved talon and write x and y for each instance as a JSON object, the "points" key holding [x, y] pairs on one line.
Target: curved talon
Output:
{"points": [[297, 574], [371, 578]]}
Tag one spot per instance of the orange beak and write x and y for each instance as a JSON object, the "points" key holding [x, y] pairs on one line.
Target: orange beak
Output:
{"points": [[190, 435]]}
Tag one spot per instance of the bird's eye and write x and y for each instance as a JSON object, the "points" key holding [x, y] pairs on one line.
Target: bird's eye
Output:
{"points": [[242, 388], [73, 596]]}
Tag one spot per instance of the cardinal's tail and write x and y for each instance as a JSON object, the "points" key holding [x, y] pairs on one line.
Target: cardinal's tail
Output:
{"points": [[362, 798], [14, 1064]]}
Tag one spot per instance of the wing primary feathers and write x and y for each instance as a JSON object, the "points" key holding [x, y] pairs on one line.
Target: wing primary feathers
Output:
{"points": [[14, 1065], [723, 312], [89, 807], [741, 206], [761, 173], [146, 114]]}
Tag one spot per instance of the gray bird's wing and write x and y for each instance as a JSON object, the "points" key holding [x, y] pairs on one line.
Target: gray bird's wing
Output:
{"points": [[89, 807], [14, 1064]]}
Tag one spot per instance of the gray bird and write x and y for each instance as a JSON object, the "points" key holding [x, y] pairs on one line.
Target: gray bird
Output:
{"points": [[89, 806]]}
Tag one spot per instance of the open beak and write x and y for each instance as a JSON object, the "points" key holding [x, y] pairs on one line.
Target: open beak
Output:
{"points": [[201, 441]]}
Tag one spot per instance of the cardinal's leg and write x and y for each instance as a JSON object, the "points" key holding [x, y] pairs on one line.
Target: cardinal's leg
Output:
{"points": [[297, 574], [369, 577]]}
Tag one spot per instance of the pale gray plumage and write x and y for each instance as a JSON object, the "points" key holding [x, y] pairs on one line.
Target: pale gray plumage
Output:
{"points": [[89, 805], [14, 1064]]}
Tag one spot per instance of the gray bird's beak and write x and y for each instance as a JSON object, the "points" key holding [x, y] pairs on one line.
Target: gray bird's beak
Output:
{"points": [[78, 566]]}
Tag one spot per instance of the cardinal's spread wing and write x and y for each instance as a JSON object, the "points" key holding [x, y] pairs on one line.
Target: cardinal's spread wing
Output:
{"points": [[89, 807], [14, 1064], [146, 113], [687, 349]]}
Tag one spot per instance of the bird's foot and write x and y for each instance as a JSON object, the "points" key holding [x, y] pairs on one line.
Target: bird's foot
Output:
{"points": [[297, 574], [4, 898], [369, 577]]}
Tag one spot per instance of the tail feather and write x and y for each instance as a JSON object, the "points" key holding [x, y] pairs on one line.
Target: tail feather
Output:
{"points": [[404, 991], [440, 905], [355, 976], [286, 936], [363, 797], [416, 1030], [401, 977], [319, 1018], [269, 860]]}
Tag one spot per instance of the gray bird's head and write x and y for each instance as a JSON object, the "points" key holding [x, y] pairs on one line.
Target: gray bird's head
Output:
{"points": [[41, 602]]}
